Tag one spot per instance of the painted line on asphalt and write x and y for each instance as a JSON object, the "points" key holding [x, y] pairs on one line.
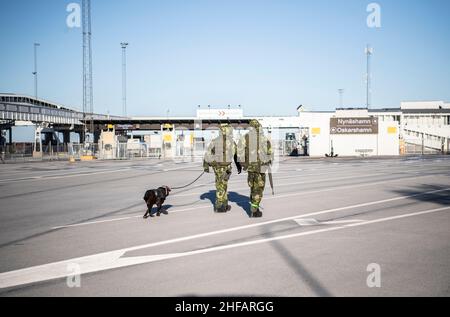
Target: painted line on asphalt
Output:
{"points": [[114, 259], [312, 214], [289, 184], [311, 222], [70, 175], [268, 198], [325, 171], [43, 177], [95, 222], [378, 170], [244, 180]]}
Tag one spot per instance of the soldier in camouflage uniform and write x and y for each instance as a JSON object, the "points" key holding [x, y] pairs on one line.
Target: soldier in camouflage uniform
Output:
{"points": [[221, 152], [256, 155]]}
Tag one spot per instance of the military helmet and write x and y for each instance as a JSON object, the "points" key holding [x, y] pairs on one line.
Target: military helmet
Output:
{"points": [[226, 129], [255, 124]]}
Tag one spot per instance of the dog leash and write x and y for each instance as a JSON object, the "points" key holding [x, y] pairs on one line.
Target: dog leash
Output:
{"points": [[189, 183]]}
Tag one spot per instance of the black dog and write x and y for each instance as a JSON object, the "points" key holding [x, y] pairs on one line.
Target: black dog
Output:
{"points": [[156, 196]]}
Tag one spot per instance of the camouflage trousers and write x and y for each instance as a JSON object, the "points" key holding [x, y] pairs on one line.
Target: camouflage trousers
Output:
{"points": [[222, 176], [257, 183]]}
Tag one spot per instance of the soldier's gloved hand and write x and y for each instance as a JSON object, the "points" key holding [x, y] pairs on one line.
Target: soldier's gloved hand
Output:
{"points": [[206, 169]]}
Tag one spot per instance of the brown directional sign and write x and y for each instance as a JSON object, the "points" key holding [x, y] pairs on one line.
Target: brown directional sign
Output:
{"points": [[367, 125]]}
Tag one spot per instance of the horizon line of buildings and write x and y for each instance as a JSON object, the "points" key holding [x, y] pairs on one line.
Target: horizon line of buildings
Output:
{"points": [[422, 124]]}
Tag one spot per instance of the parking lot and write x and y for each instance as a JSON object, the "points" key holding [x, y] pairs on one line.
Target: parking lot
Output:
{"points": [[329, 223]]}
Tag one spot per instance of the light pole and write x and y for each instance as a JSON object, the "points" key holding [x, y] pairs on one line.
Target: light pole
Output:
{"points": [[341, 97], [88, 92], [35, 73], [124, 78], [369, 52]]}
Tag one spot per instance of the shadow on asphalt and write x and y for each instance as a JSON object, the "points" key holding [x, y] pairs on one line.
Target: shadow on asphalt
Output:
{"points": [[305, 275], [238, 199], [419, 193], [19, 241]]}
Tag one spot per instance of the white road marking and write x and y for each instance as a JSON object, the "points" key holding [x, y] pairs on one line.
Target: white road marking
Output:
{"points": [[268, 198], [313, 214], [341, 222], [324, 171], [113, 260], [64, 175], [125, 218], [346, 187], [314, 222], [69, 175], [276, 178], [380, 171], [305, 222], [94, 222], [288, 184]]}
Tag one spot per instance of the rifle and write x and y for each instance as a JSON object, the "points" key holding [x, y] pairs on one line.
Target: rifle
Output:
{"points": [[271, 179]]}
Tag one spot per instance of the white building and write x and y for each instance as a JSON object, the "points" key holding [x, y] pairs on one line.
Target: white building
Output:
{"points": [[415, 127], [427, 123], [349, 132]]}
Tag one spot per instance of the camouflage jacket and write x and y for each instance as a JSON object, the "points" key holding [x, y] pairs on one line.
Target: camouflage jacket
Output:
{"points": [[255, 152], [220, 152]]}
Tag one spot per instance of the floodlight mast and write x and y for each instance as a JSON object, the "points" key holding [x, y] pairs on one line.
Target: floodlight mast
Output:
{"points": [[88, 97], [35, 73], [124, 78], [369, 53], [341, 97]]}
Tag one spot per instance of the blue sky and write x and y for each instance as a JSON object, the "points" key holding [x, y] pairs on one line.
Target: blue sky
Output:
{"points": [[268, 56]]}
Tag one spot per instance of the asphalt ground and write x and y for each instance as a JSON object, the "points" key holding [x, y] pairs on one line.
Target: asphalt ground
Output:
{"points": [[330, 223]]}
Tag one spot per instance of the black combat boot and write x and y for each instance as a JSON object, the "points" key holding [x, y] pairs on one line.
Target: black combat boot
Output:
{"points": [[256, 213], [221, 210], [228, 208]]}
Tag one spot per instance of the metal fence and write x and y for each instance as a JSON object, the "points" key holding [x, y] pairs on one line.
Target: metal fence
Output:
{"points": [[280, 148], [290, 148], [125, 151], [18, 151], [25, 151], [179, 151], [191, 152], [77, 150], [417, 147]]}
